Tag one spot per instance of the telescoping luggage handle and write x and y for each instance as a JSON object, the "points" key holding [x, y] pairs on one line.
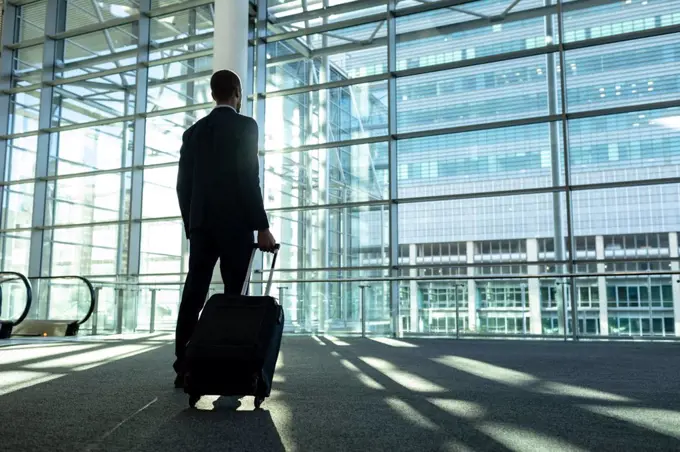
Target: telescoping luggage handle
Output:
{"points": [[250, 270]]}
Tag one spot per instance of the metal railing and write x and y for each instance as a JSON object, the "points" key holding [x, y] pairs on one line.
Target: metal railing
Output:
{"points": [[7, 276]]}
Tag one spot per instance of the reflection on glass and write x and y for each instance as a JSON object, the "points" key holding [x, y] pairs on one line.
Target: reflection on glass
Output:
{"points": [[92, 149], [352, 112], [91, 199], [327, 176], [164, 135], [160, 193]]}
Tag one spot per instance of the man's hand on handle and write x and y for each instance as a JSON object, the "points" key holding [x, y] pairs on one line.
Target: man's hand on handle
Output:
{"points": [[266, 241]]}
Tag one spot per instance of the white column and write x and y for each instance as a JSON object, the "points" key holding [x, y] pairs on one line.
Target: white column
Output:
{"points": [[413, 292], [231, 37], [536, 326], [602, 286], [472, 289], [673, 245]]}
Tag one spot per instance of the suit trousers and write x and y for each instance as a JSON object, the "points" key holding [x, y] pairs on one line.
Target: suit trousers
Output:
{"points": [[205, 247]]}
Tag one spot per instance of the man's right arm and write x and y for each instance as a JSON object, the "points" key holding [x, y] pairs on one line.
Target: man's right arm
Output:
{"points": [[185, 179]]}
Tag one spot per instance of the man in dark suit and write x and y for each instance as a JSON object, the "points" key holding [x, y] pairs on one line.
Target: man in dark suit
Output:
{"points": [[218, 186]]}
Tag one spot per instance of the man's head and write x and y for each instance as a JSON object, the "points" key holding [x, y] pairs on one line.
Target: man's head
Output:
{"points": [[226, 89]]}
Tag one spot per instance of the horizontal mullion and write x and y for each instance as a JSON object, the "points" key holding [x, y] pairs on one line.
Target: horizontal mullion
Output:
{"points": [[623, 110], [327, 145], [25, 44], [101, 122], [99, 74], [179, 58], [100, 26], [58, 177], [344, 205], [179, 42], [623, 37], [172, 111], [181, 78]]}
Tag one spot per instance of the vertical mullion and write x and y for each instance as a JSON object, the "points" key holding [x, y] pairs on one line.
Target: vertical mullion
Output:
{"points": [[393, 245], [55, 22], [138, 141], [260, 87], [567, 175], [9, 25]]}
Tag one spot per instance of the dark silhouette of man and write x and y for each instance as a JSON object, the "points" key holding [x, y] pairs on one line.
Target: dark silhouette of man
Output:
{"points": [[218, 186]]}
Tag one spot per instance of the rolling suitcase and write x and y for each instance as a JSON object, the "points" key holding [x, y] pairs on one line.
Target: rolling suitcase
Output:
{"points": [[235, 345]]}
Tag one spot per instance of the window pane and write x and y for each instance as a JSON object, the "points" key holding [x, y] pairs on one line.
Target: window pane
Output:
{"points": [[354, 112], [99, 51], [182, 33], [90, 199], [490, 160], [475, 95], [17, 210], [27, 66], [164, 135], [641, 74], [80, 13], [16, 249], [21, 155], [348, 233], [92, 250], [160, 195], [161, 249], [349, 174], [617, 18], [631, 146], [446, 35], [24, 111], [292, 57], [31, 21], [92, 149], [107, 97], [179, 84]]}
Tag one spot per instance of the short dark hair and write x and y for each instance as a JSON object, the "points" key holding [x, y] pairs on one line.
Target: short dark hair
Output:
{"points": [[224, 84]]}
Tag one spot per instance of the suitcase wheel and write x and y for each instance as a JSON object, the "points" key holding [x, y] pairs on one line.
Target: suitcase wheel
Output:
{"points": [[193, 400], [258, 401]]}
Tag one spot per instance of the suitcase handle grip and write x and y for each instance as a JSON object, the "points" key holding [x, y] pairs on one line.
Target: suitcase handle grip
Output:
{"points": [[250, 269]]}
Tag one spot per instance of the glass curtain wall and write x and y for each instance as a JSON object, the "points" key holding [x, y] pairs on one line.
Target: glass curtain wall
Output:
{"points": [[492, 167]]}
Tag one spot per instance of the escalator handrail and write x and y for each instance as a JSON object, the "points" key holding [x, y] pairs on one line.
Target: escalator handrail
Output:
{"points": [[90, 288], [29, 294]]}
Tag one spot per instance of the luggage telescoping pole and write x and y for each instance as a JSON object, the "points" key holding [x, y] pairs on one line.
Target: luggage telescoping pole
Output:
{"points": [[250, 270]]}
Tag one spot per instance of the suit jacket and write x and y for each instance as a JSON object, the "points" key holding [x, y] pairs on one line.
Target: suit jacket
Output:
{"points": [[218, 182]]}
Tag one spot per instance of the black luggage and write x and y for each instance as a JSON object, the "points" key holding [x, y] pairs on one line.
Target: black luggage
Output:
{"points": [[235, 345]]}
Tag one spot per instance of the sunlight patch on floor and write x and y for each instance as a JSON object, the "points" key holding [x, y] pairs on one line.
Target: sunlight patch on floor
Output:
{"points": [[410, 414], [393, 342], [408, 380]]}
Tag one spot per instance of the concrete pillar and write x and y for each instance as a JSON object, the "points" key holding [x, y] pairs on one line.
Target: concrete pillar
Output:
{"points": [[602, 285], [231, 37], [534, 287], [472, 289], [675, 266], [413, 292]]}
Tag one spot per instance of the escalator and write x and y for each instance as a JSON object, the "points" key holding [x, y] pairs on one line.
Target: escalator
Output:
{"points": [[7, 326], [25, 327]]}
